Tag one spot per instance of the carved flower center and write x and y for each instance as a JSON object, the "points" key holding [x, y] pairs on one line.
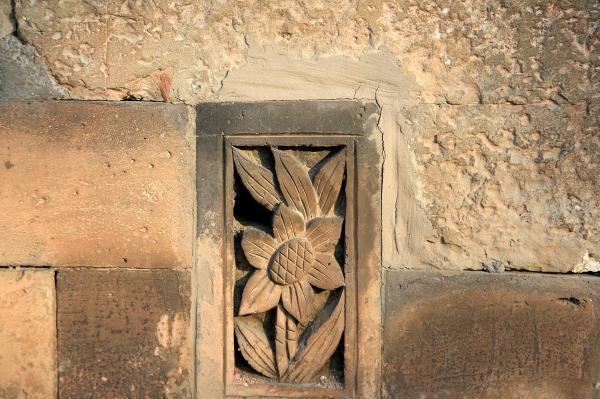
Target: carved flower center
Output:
{"points": [[291, 260]]}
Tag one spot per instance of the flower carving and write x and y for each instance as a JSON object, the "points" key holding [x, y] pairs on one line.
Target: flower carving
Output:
{"points": [[296, 258]]}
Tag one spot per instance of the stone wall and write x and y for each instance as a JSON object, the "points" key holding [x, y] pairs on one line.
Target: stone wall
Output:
{"points": [[490, 139]]}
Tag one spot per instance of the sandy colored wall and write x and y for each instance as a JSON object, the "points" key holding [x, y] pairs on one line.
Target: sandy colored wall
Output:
{"points": [[489, 124], [489, 135]]}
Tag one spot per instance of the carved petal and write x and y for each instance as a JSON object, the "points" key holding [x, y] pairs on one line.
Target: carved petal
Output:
{"points": [[324, 233], [326, 272], [295, 184], [287, 223], [328, 181], [298, 299], [286, 339], [254, 345], [260, 294], [258, 247], [321, 343], [259, 180]]}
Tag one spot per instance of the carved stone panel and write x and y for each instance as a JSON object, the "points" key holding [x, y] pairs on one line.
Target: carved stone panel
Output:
{"points": [[291, 269], [290, 287]]}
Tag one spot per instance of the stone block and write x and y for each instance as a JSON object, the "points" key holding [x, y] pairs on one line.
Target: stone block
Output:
{"points": [[96, 184], [27, 334], [473, 186], [481, 335], [124, 333]]}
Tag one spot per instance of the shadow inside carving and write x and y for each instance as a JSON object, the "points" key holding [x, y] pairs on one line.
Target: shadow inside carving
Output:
{"points": [[289, 294]]}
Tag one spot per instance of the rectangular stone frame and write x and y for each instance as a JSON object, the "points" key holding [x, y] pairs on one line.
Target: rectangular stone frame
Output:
{"points": [[326, 123]]}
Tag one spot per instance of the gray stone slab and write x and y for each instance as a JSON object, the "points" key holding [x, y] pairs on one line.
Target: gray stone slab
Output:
{"points": [[21, 78], [280, 117]]}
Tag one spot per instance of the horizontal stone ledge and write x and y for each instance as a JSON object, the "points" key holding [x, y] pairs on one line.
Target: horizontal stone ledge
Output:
{"points": [[475, 334], [96, 184], [352, 117]]}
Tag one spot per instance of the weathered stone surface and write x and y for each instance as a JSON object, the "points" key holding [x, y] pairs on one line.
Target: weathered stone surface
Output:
{"points": [[490, 51], [470, 186], [491, 336], [27, 334], [21, 77], [96, 184], [307, 127], [124, 333], [283, 117], [6, 20], [399, 52]]}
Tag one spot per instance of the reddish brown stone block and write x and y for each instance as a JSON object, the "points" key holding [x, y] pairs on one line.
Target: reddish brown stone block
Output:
{"points": [[96, 184], [27, 334], [479, 335], [124, 333]]}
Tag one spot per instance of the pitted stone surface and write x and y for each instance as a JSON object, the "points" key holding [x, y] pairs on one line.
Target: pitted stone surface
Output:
{"points": [[490, 51], [512, 185], [27, 334], [96, 184]]}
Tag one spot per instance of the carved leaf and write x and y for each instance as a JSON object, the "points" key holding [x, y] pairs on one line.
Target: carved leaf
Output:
{"points": [[292, 335], [324, 233], [258, 247], [326, 272], [295, 184], [259, 180], [286, 337], [287, 223], [260, 294], [298, 299], [317, 349], [254, 345], [328, 181]]}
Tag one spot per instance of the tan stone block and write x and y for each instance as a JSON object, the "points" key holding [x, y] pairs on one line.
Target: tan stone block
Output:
{"points": [[492, 187], [96, 184], [27, 334], [481, 335]]}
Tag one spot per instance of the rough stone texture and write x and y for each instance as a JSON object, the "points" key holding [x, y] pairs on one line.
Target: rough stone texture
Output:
{"points": [[6, 19], [124, 333], [490, 51], [96, 184], [483, 335], [510, 185], [21, 77], [27, 334], [402, 53]]}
